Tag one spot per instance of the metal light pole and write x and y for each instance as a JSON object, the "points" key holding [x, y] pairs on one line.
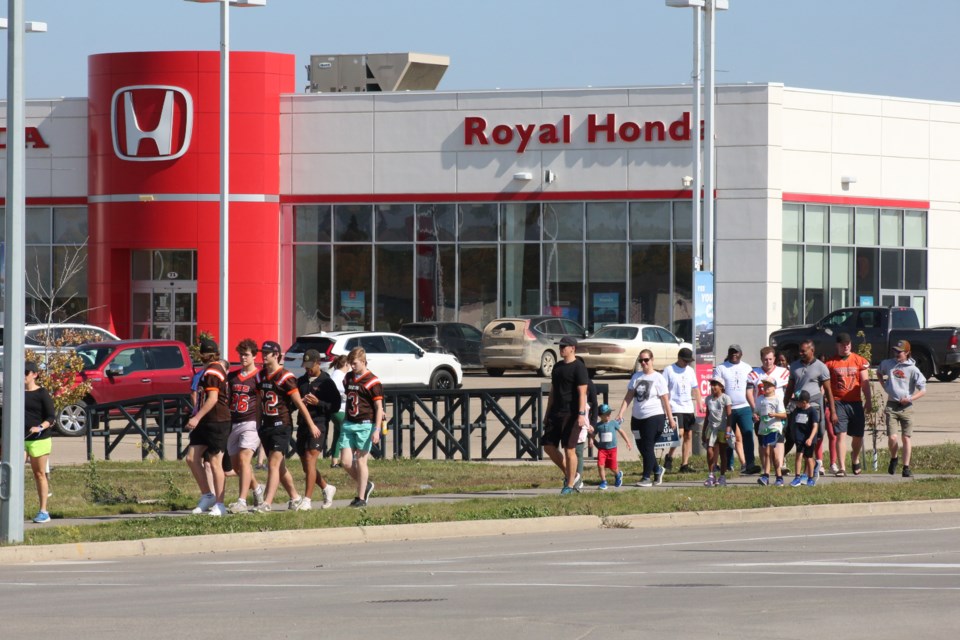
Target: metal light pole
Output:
{"points": [[710, 166], [225, 160], [11, 467]]}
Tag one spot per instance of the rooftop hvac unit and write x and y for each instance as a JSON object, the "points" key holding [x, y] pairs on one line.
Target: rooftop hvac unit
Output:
{"points": [[375, 72]]}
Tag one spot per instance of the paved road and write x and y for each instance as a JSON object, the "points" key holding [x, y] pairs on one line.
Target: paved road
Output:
{"points": [[935, 418], [881, 578]]}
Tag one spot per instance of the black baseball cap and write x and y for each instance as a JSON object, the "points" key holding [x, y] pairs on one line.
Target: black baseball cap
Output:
{"points": [[208, 346], [843, 338], [312, 356], [685, 354], [270, 347], [734, 348], [568, 341]]}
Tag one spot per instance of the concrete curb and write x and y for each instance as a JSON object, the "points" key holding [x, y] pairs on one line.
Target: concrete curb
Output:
{"points": [[433, 531]]}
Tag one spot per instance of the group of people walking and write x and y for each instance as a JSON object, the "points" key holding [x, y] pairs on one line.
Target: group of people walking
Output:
{"points": [[240, 411], [797, 405]]}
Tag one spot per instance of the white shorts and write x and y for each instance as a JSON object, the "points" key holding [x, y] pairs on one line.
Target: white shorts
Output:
{"points": [[243, 435]]}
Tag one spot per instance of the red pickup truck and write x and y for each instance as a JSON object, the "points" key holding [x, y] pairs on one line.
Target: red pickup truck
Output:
{"points": [[125, 369]]}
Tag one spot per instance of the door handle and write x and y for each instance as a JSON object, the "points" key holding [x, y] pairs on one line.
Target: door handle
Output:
{"points": [[184, 378], [145, 380]]}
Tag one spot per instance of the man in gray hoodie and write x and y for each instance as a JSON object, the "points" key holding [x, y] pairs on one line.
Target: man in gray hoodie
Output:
{"points": [[904, 385]]}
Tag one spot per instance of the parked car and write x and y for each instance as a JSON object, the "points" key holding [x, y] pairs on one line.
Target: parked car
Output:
{"points": [[460, 339], [525, 342], [125, 369], [396, 360], [617, 347], [935, 350], [63, 335]]}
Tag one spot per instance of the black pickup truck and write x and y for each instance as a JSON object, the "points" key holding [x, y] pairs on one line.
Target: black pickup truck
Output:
{"points": [[935, 349]]}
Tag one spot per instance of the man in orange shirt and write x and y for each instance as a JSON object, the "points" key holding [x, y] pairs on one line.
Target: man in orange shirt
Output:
{"points": [[848, 380]]}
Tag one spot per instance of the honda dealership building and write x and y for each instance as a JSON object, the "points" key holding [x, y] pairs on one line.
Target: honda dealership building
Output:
{"points": [[368, 210]]}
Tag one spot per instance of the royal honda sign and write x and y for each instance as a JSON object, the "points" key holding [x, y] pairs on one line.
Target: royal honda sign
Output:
{"points": [[151, 122]]}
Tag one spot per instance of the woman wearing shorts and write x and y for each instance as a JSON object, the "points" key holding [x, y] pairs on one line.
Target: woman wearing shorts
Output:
{"points": [[38, 414]]}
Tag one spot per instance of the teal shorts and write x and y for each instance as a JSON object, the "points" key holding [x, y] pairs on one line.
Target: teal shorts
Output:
{"points": [[356, 436], [38, 448]]}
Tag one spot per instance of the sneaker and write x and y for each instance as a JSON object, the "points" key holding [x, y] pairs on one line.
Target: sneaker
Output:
{"points": [[668, 462], [328, 492], [618, 481], [566, 491], [644, 482], [658, 475], [294, 505], [763, 480], [577, 483], [779, 482], [812, 482], [892, 467], [722, 482], [369, 492], [263, 508], [686, 469], [603, 485], [710, 481], [240, 506], [207, 500], [799, 480], [834, 468], [818, 469], [258, 495], [217, 510], [41, 517], [906, 472], [752, 469], [306, 504], [357, 503]]}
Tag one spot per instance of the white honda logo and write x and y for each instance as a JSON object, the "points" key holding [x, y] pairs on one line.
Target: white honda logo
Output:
{"points": [[168, 108]]}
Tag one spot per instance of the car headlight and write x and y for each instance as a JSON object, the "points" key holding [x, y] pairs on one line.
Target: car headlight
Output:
{"points": [[773, 341]]}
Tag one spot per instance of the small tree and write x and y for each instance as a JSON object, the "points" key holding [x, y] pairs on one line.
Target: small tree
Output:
{"points": [[60, 367], [53, 297], [874, 416]]}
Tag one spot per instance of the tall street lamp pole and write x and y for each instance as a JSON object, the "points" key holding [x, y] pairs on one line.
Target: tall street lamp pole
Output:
{"points": [[11, 467], [225, 160], [710, 166]]}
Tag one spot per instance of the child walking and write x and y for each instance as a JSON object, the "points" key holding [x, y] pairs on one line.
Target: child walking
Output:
{"points": [[805, 420], [772, 414], [605, 439], [716, 433]]}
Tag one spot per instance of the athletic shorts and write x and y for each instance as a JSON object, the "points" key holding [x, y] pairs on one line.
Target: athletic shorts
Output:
{"points": [[276, 438], [212, 435], [38, 448], [715, 437], [850, 419], [243, 435], [561, 430], [771, 439], [306, 441], [356, 436], [809, 451], [607, 458], [686, 421], [903, 416]]}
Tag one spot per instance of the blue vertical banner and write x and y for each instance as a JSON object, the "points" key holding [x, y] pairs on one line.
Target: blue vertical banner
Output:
{"points": [[703, 327]]}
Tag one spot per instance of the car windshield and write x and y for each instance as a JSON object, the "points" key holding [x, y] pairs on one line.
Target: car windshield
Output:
{"points": [[415, 331], [611, 332], [93, 356]]}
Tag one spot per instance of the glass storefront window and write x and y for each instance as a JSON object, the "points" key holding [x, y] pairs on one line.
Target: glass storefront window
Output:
{"points": [[37, 225], [478, 222], [683, 291], [312, 280], [69, 225], [437, 222], [890, 228], [436, 281], [563, 221], [394, 222], [650, 220], [607, 221], [563, 285], [841, 225], [394, 286], [352, 223], [650, 301], [520, 272], [866, 226], [478, 287], [867, 276], [606, 290], [683, 220], [914, 229], [815, 223], [790, 289], [792, 222], [841, 277], [520, 222], [915, 269], [312, 223], [891, 269], [352, 290], [814, 284]]}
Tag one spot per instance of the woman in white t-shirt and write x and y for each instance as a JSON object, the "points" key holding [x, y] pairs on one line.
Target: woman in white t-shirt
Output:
{"points": [[648, 392], [338, 371]]}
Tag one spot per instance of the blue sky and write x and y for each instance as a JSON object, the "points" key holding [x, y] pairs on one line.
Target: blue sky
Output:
{"points": [[889, 47]]}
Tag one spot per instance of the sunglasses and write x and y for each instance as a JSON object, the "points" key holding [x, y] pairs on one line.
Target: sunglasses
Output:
{"points": [[644, 359]]}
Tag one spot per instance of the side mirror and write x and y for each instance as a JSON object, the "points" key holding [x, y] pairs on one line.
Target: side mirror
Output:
{"points": [[115, 370]]}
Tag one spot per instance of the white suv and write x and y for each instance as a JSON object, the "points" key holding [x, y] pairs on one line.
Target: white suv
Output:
{"points": [[394, 359]]}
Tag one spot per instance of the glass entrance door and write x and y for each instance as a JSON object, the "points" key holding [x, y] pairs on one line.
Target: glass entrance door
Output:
{"points": [[915, 299], [164, 295]]}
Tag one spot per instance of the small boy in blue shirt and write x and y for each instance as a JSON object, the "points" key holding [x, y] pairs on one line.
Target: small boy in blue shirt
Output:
{"points": [[806, 426], [605, 439]]}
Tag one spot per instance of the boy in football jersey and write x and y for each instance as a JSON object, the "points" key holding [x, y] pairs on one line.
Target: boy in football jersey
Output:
{"points": [[209, 428], [361, 428], [278, 395], [243, 441]]}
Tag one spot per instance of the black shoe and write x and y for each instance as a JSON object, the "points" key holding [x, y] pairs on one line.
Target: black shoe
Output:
{"points": [[906, 472], [357, 502], [892, 467], [686, 469], [753, 469], [668, 463]]}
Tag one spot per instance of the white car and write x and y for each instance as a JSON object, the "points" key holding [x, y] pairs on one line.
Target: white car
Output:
{"points": [[617, 347], [63, 335], [396, 360]]}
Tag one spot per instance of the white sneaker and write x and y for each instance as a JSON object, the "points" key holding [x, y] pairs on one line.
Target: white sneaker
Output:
{"points": [[577, 483], [305, 504], [217, 510], [258, 495], [240, 506], [328, 492], [207, 500], [294, 505], [834, 468]]}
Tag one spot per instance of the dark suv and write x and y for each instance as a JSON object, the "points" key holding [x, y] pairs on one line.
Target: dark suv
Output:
{"points": [[462, 340]]}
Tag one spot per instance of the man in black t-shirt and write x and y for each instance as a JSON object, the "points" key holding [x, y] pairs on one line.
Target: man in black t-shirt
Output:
{"points": [[566, 412]]}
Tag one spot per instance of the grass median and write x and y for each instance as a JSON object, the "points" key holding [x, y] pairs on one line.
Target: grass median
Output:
{"points": [[154, 487]]}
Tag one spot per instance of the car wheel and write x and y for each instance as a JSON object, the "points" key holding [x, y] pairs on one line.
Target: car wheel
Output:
{"points": [[948, 376], [924, 364], [72, 419], [495, 373], [547, 360], [442, 379]]}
